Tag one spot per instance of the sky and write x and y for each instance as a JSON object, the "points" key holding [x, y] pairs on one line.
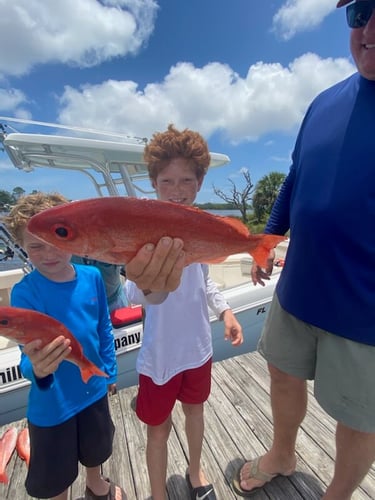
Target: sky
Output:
{"points": [[240, 72]]}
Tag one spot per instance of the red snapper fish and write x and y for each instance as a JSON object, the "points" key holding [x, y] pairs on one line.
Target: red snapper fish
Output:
{"points": [[112, 229], [23, 445], [7, 445], [25, 325]]}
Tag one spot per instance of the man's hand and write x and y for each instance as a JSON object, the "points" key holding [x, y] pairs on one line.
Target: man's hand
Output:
{"points": [[158, 268], [258, 274], [45, 360]]}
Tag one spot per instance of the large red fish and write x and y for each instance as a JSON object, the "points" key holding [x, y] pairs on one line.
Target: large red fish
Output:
{"points": [[112, 229], [23, 445], [7, 444], [25, 325]]}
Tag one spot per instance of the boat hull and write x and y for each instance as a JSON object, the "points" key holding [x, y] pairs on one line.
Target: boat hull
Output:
{"points": [[250, 304]]}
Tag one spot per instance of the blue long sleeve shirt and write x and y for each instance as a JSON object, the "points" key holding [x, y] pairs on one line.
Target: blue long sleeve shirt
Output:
{"points": [[81, 305], [328, 203]]}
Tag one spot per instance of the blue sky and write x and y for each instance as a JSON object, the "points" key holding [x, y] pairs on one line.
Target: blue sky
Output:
{"points": [[241, 72]]}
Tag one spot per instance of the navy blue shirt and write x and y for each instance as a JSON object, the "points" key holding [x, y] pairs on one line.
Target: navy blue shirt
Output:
{"points": [[328, 203]]}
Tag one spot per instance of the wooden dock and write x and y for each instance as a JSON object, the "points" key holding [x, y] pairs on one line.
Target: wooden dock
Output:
{"points": [[238, 426]]}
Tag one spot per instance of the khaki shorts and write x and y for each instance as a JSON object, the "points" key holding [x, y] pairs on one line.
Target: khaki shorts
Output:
{"points": [[343, 371]]}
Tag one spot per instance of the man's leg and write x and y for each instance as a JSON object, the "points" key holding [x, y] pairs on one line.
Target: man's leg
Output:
{"points": [[355, 453], [288, 403]]}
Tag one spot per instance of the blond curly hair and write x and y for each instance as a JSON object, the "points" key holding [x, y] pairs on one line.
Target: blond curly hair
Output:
{"points": [[26, 207], [173, 143]]}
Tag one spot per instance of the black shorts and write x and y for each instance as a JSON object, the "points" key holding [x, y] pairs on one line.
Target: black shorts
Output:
{"points": [[55, 451]]}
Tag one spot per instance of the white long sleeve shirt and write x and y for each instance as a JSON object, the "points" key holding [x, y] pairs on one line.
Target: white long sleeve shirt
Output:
{"points": [[177, 332]]}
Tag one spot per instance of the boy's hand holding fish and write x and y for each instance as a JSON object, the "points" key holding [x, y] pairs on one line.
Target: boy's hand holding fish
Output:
{"points": [[45, 360], [158, 268]]}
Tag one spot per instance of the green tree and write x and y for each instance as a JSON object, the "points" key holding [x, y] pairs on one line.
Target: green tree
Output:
{"points": [[18, 192], [266, 191], [6, 200], [238, 198]]}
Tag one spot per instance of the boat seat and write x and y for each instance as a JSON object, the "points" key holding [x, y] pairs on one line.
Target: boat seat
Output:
{"points": [[126, 316]]}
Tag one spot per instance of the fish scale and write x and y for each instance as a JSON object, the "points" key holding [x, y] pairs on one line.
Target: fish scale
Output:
{"points": [[23, 445], [7, 445]]}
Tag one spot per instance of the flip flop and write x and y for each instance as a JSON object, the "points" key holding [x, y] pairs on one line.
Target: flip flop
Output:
{"points": [[115, 493], [254, 473]]}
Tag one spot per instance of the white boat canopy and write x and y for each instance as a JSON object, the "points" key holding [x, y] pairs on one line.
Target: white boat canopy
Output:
{"points": [[118, 162]]}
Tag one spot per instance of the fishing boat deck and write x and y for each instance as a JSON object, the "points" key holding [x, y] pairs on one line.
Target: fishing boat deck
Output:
{"points": [[238, 426]]}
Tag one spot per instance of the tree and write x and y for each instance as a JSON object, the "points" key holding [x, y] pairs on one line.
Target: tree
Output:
{"points": [[6, 200], [239, 199], [265, 194], [18, 192]]}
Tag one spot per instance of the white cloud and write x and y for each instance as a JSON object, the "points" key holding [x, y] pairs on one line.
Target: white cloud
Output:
{"points": [[296, 16], [76, 32], [210, 99], [10, 99]]}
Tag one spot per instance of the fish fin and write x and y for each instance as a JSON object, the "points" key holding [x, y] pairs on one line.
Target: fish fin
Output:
{"points": [[88, 371], [261, 252], [236, 224]]}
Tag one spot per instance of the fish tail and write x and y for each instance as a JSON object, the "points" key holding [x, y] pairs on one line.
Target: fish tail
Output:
{"points": [[267, 242], [88, 371], [4, 478]]}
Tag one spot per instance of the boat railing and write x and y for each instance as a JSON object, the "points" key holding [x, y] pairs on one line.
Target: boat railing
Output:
{"points": [[11, 249]]}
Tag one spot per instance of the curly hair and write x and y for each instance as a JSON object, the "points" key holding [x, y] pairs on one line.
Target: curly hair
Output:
{"points": [[173, 144], [26, 207]]}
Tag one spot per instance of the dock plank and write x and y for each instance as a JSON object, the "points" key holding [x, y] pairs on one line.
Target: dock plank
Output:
{"points": [[238, 425]]}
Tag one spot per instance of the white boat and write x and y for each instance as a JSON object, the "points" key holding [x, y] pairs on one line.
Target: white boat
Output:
{"points": [[116, 167]]}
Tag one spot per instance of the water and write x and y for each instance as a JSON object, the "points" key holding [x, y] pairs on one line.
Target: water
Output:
{"points": [[225, 213]]}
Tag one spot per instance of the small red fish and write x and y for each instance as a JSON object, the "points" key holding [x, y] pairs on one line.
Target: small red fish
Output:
{"points": [[113, 228], [7, 444], [23, 445], [25, 325]]}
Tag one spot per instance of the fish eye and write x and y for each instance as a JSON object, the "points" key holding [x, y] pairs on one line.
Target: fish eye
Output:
{"points": [[3, 322], [62, 232]]}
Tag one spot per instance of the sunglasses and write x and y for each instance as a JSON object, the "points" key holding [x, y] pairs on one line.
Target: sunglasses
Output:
{"points": [[358, 14]]}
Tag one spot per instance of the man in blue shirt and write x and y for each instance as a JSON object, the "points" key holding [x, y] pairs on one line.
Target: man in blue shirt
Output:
{"points": [[321, 324]]}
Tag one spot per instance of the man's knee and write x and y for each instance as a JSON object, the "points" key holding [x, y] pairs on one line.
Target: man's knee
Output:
{"points": [[280, 378]]}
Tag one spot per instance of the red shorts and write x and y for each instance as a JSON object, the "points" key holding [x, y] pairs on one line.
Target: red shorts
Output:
{"points": [[155, 402]]}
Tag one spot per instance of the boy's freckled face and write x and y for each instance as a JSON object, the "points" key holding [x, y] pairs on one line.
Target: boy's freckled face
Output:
{"points": [[178, 182], [49, 260]]}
